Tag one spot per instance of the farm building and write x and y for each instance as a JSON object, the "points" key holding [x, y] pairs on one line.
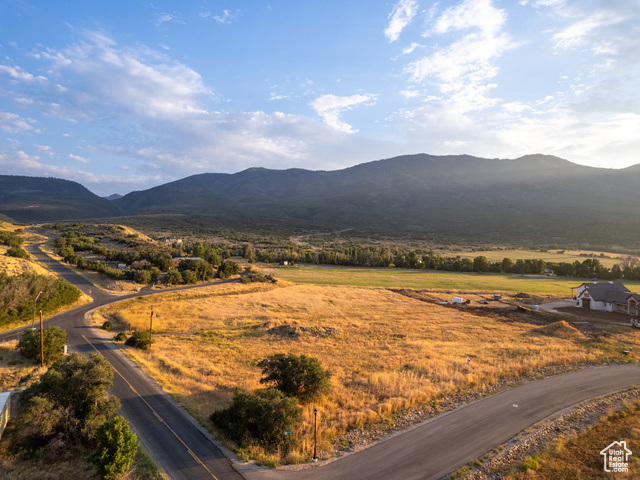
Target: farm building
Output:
{"points": [[607, 297]]}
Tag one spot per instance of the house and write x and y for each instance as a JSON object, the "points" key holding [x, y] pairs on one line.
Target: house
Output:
{"points": [[176, 261], [5, 403], [616, 457], [607, 297]]}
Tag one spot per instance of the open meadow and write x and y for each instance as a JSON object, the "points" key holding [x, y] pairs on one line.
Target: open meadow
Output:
{"points": [[387, 352], [431, 279]]}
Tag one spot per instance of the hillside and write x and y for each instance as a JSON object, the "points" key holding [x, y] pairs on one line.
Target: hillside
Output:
{"points": [[37, 199], [534, 198]]}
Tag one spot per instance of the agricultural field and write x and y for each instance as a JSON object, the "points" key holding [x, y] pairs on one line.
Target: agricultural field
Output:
{"points": [[557, 256], [387, 352], [430, 279]]}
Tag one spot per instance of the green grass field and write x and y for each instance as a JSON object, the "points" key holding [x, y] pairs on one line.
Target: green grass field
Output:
{"points": [[429, 279], [569, 256]]}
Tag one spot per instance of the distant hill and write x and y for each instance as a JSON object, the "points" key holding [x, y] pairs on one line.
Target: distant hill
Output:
{"points": [[113, 196], [37, 199], [534, 198]]}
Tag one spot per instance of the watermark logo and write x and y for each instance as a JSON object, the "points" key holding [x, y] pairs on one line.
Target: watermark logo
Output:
{"points": [[616, 457]]}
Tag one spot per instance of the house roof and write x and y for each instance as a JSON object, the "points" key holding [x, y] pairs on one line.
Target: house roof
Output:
{"points": [[608, 292]]}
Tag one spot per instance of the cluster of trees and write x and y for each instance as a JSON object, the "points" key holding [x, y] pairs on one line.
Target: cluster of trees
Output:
{"points": [[359, 256], [18, 292], [70, 406], [264, 417], [14, 242]]}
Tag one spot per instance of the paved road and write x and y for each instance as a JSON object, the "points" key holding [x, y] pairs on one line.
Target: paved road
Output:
{"points": [[183, 449], [428, 451], [445, 443]]}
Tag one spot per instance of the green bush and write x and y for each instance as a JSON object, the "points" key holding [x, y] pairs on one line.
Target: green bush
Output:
{"points": [[140, 339], [296, 376], [107, 326], [120, 337], [531, 463], [228, 269], [18, 252], [117, 445], [173, 277], [69, 403], [258, 419], [53, 339]]}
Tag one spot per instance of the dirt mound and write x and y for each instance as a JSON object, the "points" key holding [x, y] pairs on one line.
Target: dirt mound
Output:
{"points": [[560, 329], [296, 331]]}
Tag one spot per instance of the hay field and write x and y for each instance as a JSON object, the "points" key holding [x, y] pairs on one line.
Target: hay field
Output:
{"points": [[390, 352]]}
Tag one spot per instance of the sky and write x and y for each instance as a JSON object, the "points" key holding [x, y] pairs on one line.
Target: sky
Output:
{"points": [[127, 94]]}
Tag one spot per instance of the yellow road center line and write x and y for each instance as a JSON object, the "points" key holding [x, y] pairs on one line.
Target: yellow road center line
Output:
{"points": [[155, 413]]}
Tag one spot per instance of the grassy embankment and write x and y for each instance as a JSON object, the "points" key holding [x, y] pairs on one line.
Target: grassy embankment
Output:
{"points": [[390, 352], [578, 456]]}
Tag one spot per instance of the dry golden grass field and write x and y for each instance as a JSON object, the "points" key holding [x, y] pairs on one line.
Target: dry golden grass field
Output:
{"points": [[16, 266], [388, 352]]}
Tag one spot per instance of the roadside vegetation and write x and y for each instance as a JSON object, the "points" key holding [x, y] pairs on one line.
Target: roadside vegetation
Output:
{"points": [[578, 456], [386, 352]]}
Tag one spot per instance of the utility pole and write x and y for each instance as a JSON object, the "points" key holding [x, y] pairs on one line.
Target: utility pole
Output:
{"points": [[315, 434], [41, 341], [35, 305], [150, 322]]}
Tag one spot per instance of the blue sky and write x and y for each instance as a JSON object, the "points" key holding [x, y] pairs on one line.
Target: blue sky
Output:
{"points": [[124, 95]]}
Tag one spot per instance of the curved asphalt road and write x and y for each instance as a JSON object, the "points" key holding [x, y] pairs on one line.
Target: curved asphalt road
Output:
{"points": [[428, 451], [182, 448]]}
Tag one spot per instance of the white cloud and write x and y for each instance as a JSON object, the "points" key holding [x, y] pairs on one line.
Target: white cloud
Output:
{"points": [[409, 93], [330, 107], [164, 18], [18, 73], [14, 123], [20, 163], [78, 158], [401, 16], [45, 149], [577, 34]]}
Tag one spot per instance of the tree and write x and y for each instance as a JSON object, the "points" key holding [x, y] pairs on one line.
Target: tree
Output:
{"points": [[296, 376], [261, 418], [69, 402], [480, 264], [228, 269], [506, 265], [117, 445], [53, 339], [174, 277]]}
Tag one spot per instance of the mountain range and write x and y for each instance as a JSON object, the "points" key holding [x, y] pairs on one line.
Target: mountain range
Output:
{"points": [[535, 198]]}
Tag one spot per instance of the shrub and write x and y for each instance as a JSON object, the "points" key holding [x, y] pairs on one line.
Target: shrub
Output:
{"points": [[261, 418], [117, 445], [53, 340], [107, 326], [120, 337], [228, 269], [140, 339], [68, 403], [531, 463], [173, 277], [18, 252], [296, 376]]}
